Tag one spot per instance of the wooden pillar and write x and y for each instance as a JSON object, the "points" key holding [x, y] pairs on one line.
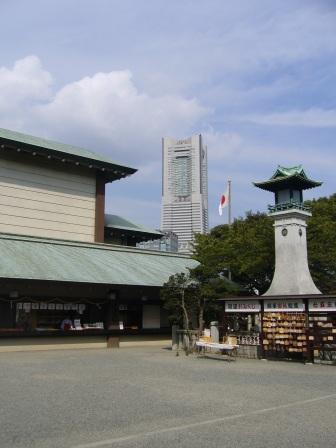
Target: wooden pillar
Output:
{"points": [[309, 345], [262, 311], [100, 209]]}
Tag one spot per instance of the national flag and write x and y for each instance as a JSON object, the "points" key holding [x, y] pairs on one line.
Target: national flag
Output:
{"points": [[224, 201]]}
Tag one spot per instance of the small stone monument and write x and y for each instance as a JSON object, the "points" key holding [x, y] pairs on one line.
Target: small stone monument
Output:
{"points": [[291, 276]]}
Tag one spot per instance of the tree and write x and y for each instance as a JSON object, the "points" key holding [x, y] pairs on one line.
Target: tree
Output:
{"points": [[178, 294], [210, 286], [191, 298], [246, 249], [321, 239], [181, 297]]}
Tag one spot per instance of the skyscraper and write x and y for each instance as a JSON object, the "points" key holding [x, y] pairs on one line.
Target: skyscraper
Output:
{"points": [[184, 189]]}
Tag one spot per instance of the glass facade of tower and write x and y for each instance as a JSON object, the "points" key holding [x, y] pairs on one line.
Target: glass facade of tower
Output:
{"points": [[184, 189], [181, 176]]}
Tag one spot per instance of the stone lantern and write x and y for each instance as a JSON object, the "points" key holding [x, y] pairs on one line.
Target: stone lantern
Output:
{"points": [[290, 214]]}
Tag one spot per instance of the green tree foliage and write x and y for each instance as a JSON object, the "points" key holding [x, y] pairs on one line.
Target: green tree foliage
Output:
{"points": [[321, 237], [246, 249], [210, 286], [179, 294], [192, 298]]}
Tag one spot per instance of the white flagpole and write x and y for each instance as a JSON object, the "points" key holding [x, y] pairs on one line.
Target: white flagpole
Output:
{"points": [[229, 220], [229, 204]]}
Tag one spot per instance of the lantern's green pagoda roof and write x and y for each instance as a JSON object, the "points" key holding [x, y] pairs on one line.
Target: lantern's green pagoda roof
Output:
{"points": [[293, 178]]}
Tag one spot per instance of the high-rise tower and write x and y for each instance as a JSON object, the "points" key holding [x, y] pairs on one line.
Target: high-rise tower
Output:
{"points": [[291, 274], [184, 189]]}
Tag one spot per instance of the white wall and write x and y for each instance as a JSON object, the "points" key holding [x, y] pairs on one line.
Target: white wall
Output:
{"points": [[291, 275], [39, 200]]}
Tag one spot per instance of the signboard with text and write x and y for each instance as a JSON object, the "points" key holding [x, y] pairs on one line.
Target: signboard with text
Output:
{"points": [[242, 306], [284, 305], [322, 304]]}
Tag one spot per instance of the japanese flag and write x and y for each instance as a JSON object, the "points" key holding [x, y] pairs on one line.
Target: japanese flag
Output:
{"points": [[224, 201]]}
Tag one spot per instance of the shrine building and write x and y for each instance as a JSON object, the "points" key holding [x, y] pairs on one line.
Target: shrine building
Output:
{"points": [[58, 261]]}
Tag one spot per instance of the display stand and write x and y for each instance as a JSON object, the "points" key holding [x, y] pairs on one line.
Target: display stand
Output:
{"points": [[322, 337], [285, 335]]}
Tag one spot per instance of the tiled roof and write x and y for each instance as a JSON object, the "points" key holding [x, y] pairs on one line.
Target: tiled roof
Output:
{"points": [[56, 260]]}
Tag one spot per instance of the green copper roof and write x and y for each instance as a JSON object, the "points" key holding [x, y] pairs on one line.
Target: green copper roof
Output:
{"points": [[288, 177], [117, 222], [56, 260], [42, 147], [282, 171]]}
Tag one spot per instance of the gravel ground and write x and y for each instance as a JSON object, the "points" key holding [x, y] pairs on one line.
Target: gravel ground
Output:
{"points": [[148, 397]]}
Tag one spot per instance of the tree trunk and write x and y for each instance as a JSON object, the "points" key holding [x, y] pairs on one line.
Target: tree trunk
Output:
{"points": [[200, 320], [186, 322], [185, 311]]}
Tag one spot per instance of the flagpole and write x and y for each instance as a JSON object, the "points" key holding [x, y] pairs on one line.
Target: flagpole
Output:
{"points": [[229, 220], [229, 204]]}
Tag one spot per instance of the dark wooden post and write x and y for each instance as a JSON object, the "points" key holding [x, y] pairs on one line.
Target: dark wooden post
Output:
{"points": [[262, 310], [309, 346], [100, 208]]}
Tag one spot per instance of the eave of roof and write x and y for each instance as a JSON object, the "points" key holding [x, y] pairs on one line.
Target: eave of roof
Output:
{"points": [[292, 181], [281, 297], [11, 140], [33, 258]]}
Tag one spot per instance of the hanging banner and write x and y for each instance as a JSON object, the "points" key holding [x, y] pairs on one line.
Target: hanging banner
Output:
{"points": [[322, 304], [284, 305], [242, 306]]}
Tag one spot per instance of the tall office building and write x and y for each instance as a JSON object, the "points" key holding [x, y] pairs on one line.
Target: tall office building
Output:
{"points": [[184, 189]]}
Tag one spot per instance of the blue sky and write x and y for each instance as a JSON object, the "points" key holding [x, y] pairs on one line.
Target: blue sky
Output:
{"points": [[257, 78]]}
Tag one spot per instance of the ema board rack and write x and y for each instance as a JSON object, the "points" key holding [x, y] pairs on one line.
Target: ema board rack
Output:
{"points": [[322, 337], [285, 334]]}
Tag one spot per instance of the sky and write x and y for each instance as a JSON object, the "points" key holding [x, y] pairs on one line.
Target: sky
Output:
{"points": [[257, 78]]}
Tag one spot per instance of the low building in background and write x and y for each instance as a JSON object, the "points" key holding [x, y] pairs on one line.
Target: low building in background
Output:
{"points": [[167, 243], [121, 231]]}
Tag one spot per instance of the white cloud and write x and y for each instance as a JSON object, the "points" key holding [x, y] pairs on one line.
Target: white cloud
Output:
{"points": [[222, 145], [108, 109], [245, 158], [312, 118], [258, 35], [105, 112], [26, 81]]}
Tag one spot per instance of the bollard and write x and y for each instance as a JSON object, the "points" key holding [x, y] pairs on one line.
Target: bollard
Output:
{"points": [[112, 342], [175, 337], [214, 332]]}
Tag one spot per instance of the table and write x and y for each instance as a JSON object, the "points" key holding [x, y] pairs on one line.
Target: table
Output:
{"points": [[228, 349]]}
